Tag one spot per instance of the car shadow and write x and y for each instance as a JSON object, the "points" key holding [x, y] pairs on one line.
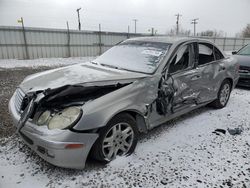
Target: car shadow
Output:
{"points": [[167, 126], [243, 87], [91, 164]]}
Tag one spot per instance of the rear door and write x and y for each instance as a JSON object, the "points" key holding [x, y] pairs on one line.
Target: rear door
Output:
{"points": [[210, 67]]}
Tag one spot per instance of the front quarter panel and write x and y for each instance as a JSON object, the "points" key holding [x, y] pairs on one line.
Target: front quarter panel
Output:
{"points": [[133, 97]]}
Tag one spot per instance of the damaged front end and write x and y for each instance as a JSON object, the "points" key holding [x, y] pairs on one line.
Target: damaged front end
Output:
{"points": [[45, 121], [60, 108]]}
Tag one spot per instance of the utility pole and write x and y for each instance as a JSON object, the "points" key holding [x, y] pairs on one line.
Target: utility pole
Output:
{"points": [[79, 22], [24, 38], [135, 20], [194, 21], [177, 23]]}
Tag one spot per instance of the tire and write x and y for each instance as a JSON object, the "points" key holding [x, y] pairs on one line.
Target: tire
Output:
{"points": [[123, 128], [223, 95]]}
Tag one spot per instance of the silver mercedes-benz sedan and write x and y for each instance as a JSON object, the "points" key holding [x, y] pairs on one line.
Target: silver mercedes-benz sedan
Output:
{"points": [[99, 108]]}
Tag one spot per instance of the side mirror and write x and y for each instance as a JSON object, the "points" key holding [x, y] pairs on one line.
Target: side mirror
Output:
{"points": [[234, 52]]}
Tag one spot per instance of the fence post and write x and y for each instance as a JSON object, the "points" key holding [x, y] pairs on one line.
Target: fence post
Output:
{"points": [[128, 32], [224, 44], [25, 41], [100, 40], [234, 44], [243, 42], [68, 39]]}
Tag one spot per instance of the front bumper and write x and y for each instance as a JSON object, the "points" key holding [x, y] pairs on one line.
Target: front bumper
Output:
{"points": [[244, 80], [51, 145]]}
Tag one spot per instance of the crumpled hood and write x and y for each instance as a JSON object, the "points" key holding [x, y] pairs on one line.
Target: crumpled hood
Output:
{"points": [[76, 74], [243, 60]]}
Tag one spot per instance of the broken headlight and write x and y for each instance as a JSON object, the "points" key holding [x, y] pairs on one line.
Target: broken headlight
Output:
{"points": [[44, 117], [61, 119]]}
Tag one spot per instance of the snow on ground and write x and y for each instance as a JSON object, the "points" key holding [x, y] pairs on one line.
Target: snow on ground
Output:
{"points": [[42, 62], [181, 153]]}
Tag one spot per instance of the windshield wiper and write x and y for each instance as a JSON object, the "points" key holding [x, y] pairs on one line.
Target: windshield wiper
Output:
{"points": [[105, 65], [93, 62], [111, 66], [114, 67]]}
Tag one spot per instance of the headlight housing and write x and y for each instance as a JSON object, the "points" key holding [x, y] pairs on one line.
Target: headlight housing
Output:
{"points": [[61, 119]]}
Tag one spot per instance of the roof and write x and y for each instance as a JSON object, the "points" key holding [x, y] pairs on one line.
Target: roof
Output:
{"points": [[173, 39], [166, 39]]}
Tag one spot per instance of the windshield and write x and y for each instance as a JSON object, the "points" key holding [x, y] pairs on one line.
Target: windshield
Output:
{"points": [[245, 50], [138, 56]]}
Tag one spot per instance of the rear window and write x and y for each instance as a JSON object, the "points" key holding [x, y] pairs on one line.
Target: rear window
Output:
{"points": [[218, 55], [206, 54]]}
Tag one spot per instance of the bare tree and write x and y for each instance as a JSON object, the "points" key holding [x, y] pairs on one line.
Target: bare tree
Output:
{"points": [[208, 33], [212, 33], [238, 35], [181, 31], [246, 31]]}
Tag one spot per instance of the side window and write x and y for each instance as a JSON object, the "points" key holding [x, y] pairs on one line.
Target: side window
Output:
{"points": [[218, 55], [206, 54], [181, 60]]}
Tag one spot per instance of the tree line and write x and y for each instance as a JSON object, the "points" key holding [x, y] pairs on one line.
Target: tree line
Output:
{"points": [[210, 33]]}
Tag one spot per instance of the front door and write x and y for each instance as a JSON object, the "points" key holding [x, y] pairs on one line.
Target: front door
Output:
{"points": [[180, 89]]}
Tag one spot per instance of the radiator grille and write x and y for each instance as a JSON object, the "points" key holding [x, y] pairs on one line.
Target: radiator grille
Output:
{"points": [[19, 96], [244, 69]]}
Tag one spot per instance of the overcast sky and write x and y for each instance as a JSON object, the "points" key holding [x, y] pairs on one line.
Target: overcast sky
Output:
{"points": [[231, 16]]}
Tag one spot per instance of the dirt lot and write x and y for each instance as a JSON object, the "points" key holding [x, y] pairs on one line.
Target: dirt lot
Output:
{"points": [[182, 153], [9, 80]]}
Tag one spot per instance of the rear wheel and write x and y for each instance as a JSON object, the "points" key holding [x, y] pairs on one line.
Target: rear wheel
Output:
{"points": [[223, 95], [118, 138]]}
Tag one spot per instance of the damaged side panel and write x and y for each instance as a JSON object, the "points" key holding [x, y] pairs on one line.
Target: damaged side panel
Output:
{"points": [[177, 92], [135, 97]]}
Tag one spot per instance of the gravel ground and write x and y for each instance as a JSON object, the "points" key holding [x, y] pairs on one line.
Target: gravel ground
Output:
{"points": [[9, 80], [182, 153]]}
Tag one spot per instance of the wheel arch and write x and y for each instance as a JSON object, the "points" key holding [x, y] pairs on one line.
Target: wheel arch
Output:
{"points": [[138, 117], [230, 80]]}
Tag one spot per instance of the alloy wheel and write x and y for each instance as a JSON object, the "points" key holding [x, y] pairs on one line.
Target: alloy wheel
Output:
{"points": [[224, 94], [118, 141]]}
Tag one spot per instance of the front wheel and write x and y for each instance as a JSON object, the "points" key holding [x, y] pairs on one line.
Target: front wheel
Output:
{"points": [[223, 95], [118, 138]]}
